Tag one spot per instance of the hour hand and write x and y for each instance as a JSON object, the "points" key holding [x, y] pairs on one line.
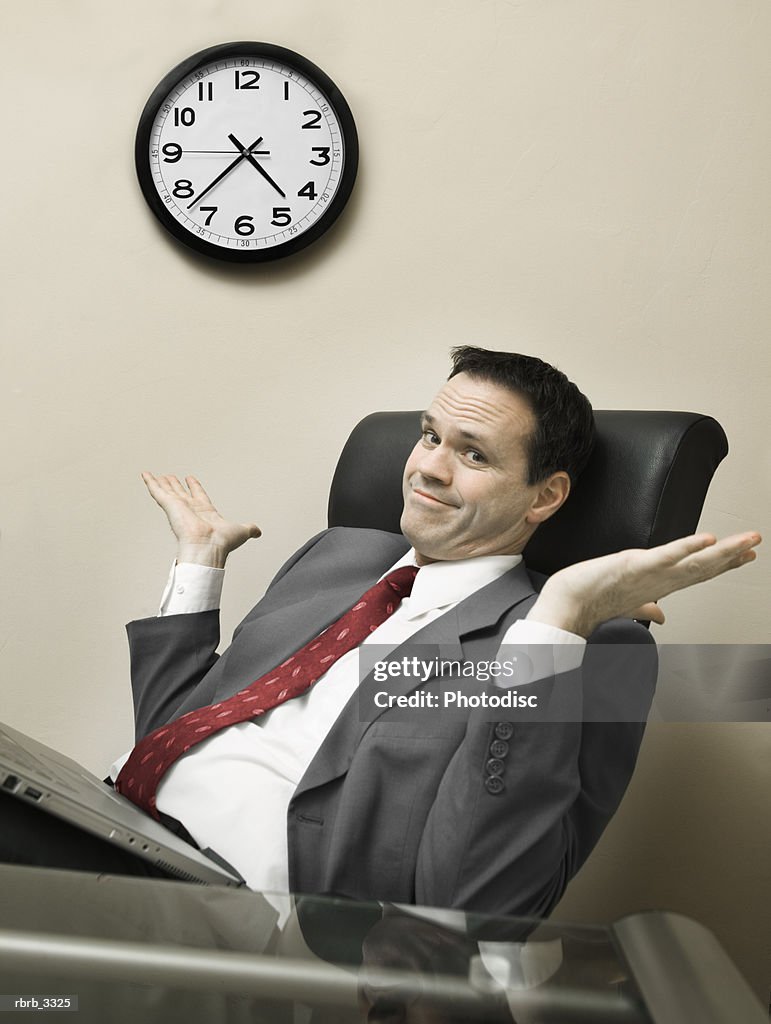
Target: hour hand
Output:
{"points": [[247, 155]]}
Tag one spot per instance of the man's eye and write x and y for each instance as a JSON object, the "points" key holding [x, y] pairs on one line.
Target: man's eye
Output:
{"points": [[476, 457], [430, 437]]}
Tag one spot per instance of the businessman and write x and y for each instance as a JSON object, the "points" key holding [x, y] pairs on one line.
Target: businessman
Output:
{"points": [[302, 794], [261, 754]]}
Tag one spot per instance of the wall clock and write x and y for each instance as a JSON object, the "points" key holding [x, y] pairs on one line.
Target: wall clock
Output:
{"points": [[246, 152]]}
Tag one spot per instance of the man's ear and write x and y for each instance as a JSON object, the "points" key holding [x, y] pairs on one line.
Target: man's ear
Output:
{"points": [[550, 494]]}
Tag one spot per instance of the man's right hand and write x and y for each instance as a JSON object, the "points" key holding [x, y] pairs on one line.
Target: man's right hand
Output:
{"points": [[203, 536]]}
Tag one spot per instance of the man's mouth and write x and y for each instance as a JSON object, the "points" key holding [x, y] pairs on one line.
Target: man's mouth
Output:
{"points": [[426, 495]]}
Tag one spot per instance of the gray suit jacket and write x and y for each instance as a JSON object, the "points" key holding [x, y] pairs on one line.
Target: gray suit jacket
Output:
{"points": [[400, 809]]}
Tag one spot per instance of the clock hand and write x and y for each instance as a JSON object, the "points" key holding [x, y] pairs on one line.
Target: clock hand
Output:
{"points": [[247, 155], [227, 170], [227, 152]]}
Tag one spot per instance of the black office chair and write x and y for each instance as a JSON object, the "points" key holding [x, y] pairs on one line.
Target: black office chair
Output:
{"points": [[645, 483]]}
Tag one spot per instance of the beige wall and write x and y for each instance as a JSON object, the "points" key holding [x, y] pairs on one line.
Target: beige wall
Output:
{"points": [[587, 181]]}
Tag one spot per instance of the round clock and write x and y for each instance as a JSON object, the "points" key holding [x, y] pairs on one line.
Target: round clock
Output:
{"points": [[246, 152]]}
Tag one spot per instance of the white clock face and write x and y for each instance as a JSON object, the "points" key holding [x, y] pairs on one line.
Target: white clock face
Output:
{"points": [[245, 153]]}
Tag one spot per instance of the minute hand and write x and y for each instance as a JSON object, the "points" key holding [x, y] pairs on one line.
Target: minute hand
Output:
{"points": [[227, 170], [247, 155]]}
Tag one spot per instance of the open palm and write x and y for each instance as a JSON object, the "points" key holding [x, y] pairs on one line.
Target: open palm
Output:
{"points": [[204, 536], [629, 583]]}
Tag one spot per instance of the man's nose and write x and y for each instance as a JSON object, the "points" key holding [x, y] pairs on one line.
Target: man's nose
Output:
{"points": [[436, 463]]}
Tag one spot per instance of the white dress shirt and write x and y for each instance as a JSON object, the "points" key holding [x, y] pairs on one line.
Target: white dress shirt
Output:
{"points": [[232, 791]]}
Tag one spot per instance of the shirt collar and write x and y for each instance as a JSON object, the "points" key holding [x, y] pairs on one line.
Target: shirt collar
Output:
{"points": [[440, 584]]}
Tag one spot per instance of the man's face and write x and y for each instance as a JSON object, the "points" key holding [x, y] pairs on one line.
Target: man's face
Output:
{"points": [[465, 482]]}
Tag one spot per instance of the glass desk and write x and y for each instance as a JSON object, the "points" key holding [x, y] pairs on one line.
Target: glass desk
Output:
{"points": [[140, 950]]}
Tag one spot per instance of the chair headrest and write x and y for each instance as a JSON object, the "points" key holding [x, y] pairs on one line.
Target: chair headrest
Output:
{"points": [[645, 483]]}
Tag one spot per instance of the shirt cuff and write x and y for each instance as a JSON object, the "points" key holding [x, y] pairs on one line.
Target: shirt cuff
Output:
{"points": [[541, 651], [117, 765], [192, 588]]}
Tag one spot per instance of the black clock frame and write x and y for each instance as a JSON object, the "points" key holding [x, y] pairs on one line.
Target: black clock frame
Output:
{"points": [[247, 49]]}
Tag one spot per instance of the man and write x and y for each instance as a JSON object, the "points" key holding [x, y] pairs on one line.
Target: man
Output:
{"points": [[306, 796]]}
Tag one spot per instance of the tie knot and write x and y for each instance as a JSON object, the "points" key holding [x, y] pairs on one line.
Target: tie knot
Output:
{"points": [[402, 579]]}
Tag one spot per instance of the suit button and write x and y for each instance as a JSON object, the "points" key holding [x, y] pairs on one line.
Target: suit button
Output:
{"points": [[504, 730], [495, 766], [499, 748], [494, 784]]}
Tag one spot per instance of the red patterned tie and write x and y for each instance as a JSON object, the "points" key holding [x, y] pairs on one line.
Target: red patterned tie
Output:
{"points": [[153, 756]]}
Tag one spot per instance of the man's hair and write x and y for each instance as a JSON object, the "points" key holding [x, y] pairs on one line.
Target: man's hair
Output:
{"points": [[563, 437]]}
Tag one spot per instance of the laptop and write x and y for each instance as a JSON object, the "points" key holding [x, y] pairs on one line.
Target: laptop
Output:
{"points": [[60, 786]]}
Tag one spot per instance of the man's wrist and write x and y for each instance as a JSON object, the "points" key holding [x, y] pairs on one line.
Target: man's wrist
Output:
{"points": [[202, 554], [559, 611]]}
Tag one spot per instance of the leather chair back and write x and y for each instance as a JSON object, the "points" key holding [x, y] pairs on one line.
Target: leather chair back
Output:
{"points": [[645, 483]]}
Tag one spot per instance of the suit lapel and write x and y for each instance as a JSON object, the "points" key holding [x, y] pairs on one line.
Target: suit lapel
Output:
{"points": [[478, 612], [291, 615]]}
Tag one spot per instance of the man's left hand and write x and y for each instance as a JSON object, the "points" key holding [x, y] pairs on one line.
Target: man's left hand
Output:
{"points": [[629, 583]]}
